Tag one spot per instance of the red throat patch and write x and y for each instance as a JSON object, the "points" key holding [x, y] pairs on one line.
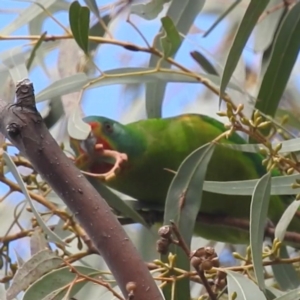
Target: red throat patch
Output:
{"points": [[100, 139]]}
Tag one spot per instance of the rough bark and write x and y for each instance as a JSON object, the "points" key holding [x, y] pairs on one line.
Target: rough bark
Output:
{"points": [[22, 124]]}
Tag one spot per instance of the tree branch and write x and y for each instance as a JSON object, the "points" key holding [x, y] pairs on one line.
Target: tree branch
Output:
{"points": [[22, 124]]}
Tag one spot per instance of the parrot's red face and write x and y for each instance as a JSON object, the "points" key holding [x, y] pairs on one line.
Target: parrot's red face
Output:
{"points": [[97, 154], [97, 130]]}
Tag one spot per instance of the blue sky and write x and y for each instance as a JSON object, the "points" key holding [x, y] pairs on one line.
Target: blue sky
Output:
{"points": [[109, 100]]}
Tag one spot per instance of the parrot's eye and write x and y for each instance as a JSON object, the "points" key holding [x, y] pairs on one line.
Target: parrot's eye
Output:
{"points": [[108, 127]]}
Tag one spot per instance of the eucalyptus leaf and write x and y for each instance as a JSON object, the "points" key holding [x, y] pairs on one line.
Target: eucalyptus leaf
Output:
{"points": [[184, 198], [183, 14], [290, 295], [281, 185], [51, 235], [77, 128], [265, 29], [27, 15], [63, 86], [204, 63], [116, 202], [258, 216], [286, 219], [171, 40], [283, 58], [252, 14], [76, 82], [244, 288], [58, 282], [79, 18], [42, 262], [149, 10], [285, 274]]}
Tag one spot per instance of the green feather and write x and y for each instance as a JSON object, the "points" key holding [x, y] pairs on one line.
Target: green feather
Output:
{"points": [[154, 145]]}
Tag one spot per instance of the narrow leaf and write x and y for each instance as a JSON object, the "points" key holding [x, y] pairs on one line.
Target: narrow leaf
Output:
{"points": [[204, 63], [31, 270], [170, 41], [222, 17], [77, 128], [183, 14], [185, 192], [149, 10], [37, 242], [141, 75], [184, 199], [12, 167], [244, 288], [63, 86], [283, 58], [285, 274], [34, 50], [286, 219], [250, 18], [58, 281], [79, 18], [266, 28], [258, 216], [281, 185], [291, 295], [27, 15], [116, 202]]}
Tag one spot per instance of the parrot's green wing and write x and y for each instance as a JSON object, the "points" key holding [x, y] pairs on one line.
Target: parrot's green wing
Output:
{"points": [[156, 146]]}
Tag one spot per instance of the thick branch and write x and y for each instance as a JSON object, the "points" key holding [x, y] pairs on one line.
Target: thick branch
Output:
{"points": [[24, 127]]}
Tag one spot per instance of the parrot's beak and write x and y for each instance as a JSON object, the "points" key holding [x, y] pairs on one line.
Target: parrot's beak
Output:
{"points": [[108, 162]]}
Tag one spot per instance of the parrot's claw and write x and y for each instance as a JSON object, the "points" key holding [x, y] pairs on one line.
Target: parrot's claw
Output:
{"points": [[120, 158]]}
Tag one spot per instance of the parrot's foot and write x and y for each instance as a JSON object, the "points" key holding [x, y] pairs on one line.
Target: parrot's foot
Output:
{"points": [[119, 158]]}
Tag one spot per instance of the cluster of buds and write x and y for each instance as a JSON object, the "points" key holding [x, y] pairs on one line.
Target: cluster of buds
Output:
{"points": [[204, 259], [166, 238]]}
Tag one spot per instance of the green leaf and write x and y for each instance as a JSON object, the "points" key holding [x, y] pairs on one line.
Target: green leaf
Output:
{"points": [[265, 30], [250, 18], [116, 202], [222, 17], [141, 75], [292, 145], [12, 167], [184, 201], [63, 86], [35, 48], [42, 262], [98, 30], [76, 82], [77, 128], [204, 63], [55, 112], [27, 15], [244, 288], [183, 14], [58, 281], [37, 242], [149, 10], [258, 216], [79, 18], [286, 219], [285, 274], [283, 58], [291, 295], [35, 26], [281, 185], [92, 5], [171, 40]]}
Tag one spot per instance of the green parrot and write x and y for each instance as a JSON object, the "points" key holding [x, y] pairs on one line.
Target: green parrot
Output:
{"points": [[155, 146]]}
